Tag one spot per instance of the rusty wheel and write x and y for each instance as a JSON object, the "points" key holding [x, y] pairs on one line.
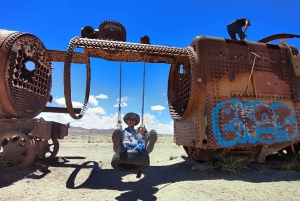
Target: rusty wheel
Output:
{"points": [[48, 148], [17, 150]]}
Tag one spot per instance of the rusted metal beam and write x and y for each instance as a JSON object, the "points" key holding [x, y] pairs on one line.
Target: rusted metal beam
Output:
{"points": [[278, 36], [60, 110], [60, 56]]}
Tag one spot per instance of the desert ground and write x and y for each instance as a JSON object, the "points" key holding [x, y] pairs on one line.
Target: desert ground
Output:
{"points": [[171, 176]]}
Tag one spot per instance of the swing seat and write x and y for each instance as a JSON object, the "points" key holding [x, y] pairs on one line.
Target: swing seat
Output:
{"points": [[130, 161]]}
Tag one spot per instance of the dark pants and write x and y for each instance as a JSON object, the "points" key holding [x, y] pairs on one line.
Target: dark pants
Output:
{"points": [[234, 29]]}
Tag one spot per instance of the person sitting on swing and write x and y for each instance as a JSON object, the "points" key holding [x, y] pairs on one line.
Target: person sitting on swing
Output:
{"points": [[128, 140]]}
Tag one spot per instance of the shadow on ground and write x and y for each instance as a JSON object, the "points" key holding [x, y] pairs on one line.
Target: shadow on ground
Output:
{"points": [[154, 176], [42, 165]]}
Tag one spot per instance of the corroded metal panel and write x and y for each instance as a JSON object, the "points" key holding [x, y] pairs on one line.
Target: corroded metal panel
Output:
{"points": [[244, 122], [268, 83], [296, 63]]}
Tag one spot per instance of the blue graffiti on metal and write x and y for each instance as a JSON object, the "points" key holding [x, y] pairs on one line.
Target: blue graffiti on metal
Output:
{"points": [[234, 121]]}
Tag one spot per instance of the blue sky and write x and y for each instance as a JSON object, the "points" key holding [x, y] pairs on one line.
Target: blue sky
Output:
{"points": [[169, 22]]}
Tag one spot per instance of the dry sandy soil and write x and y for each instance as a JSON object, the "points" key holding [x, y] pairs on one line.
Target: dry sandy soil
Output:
{"points": [[69, 176]]}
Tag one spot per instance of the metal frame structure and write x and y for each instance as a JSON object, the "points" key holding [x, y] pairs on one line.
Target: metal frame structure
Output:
{"points": [[224, 95]]}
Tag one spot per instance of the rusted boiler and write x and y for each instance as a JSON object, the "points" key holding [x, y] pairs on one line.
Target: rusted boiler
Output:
{"points": [[236, 96]]}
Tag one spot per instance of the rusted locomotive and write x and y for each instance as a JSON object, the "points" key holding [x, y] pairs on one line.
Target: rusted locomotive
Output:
{"points": [[236, 96], [224, 95]]}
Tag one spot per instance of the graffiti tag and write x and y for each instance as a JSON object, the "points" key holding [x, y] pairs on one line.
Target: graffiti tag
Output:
{"points": [[234, 121]]}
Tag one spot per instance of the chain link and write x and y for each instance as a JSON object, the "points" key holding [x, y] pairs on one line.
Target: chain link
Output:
{"points": [[67, 81], [120, 94], [144, 82]]}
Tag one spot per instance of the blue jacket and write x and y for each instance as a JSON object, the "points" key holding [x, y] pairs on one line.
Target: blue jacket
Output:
{"points": [[132, 141]]}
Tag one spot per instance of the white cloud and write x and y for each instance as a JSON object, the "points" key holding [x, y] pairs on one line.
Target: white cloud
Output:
{"points": [[157, 107], [123, 102], [152, 123], [124, 99], [93, 100], [96, 110], [92, 120], [89, 120], [102, 96], [61, 102], [77, 104]]}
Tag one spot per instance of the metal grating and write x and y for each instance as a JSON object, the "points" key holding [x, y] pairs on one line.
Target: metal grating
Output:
{"points": [[28, 90]]}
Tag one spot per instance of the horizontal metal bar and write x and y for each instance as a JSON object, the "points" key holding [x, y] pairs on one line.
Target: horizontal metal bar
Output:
{"points": [[60, 110], [60, 56]]}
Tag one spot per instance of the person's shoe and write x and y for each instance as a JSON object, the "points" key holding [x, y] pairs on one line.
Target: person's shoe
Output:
{"points": [[97, 167], [117, 140], [151, 141]]}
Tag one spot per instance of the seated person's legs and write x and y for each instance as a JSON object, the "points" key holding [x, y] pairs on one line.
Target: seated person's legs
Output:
{"points": [[151, 141], [117, 141]]}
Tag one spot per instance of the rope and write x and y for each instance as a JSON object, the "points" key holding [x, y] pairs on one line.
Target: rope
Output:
{"points": [[264, 58], [250, 76]]}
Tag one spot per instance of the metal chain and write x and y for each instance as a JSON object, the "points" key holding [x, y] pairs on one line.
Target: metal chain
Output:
{"points": [[144, 79], [67, 81], [120, 94]]}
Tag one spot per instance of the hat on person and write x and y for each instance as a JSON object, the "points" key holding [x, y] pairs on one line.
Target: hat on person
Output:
{"points": [[131, 114]]}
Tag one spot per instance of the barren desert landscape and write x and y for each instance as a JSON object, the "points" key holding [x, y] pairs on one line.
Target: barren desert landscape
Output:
{"points": [[171, 176]]}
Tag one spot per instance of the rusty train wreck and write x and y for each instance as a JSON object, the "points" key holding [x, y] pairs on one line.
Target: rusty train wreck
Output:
{"points": [[236, 96], [224, 95]]}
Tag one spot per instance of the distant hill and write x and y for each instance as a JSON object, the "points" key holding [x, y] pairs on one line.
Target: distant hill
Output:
{"points": [[93, 131]]}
